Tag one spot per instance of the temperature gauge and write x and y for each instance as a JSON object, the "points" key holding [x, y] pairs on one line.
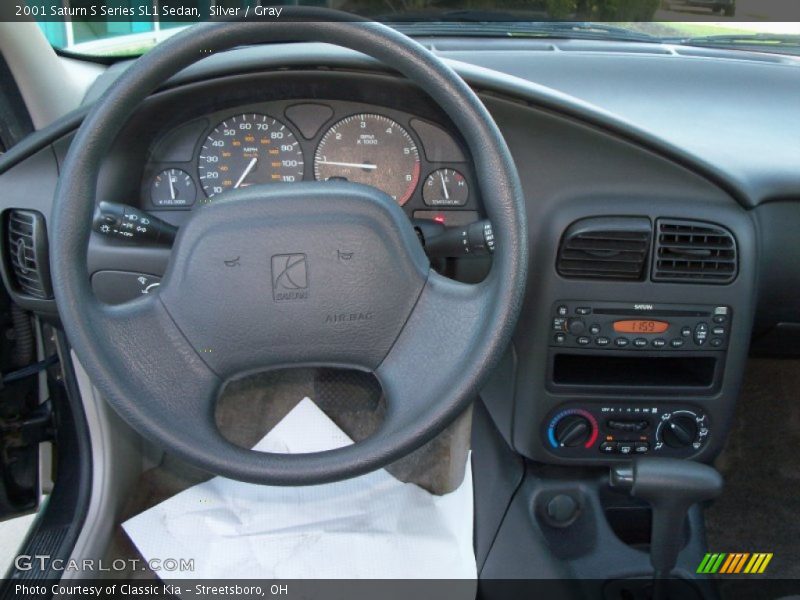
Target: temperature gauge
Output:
{"points": [[445, 187], [173, 187]]}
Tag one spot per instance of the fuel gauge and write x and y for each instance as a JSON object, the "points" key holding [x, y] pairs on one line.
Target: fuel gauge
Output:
{"points": [[445, 187], [173, 187]]}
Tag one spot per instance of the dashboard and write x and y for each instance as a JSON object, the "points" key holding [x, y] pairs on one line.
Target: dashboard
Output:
{"points": [[597, 354], [413, 160]]}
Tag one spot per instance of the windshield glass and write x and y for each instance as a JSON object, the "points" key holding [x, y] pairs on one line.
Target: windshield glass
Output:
{"points": [[131, 27]]}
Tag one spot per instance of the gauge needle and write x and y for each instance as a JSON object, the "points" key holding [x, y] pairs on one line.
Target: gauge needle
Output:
{"points": [[346, 164], [444, 186], [247, 170], [171, 188]]}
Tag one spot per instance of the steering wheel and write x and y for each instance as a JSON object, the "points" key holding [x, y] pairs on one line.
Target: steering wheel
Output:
{"points": [[162, 360]]}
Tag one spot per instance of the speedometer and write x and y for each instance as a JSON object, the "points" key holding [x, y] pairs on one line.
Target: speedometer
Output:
{"points": [[246, 150], [370, 149]]}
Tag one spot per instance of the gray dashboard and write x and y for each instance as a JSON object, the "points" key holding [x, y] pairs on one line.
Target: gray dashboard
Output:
{"points": [[596, 130]]}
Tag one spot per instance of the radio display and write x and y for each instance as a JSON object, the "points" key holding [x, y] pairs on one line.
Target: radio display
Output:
{"points": [[640, 326]]}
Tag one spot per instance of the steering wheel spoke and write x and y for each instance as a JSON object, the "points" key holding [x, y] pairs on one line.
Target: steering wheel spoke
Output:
{"points": [[175, 391], [434, 352]]}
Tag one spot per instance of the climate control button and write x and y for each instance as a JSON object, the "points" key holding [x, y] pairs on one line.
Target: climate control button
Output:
{"points": [[608, 447]]}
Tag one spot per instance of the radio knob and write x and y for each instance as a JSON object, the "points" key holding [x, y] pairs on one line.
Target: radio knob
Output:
{"points": [[576, 326], [679, 431], [573, 430]]}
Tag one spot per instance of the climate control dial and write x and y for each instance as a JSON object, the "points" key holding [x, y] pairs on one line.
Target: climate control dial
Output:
{"points": [[572, 428], [681, 429]]}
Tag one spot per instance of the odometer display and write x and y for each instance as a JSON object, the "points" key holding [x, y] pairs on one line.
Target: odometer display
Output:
{"points": [[246, 150], [640, 326], [370, 149]]}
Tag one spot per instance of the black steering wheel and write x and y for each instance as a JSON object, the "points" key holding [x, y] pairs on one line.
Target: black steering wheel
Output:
{"points": [[161, 360]]}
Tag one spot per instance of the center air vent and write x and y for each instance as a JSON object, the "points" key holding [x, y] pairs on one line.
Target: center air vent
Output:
{"points": [[605, 248], [27, 252], [692, 251]]}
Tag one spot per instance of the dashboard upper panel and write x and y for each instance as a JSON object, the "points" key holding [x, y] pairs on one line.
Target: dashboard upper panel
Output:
{"points": [[724, 112]]}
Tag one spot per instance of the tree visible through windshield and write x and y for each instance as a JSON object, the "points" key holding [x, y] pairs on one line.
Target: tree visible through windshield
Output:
{"points": [[756, 25]]}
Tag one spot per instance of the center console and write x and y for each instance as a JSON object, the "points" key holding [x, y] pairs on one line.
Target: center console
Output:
{"points": [[630, 349], [633, 339], [622, 347]]}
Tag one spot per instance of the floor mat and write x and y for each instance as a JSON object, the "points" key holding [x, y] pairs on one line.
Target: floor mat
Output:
{"points": [[759, 511], [372, 526]]}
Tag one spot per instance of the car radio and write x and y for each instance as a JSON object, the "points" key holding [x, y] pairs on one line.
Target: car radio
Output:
{"points": [[640, 326]]}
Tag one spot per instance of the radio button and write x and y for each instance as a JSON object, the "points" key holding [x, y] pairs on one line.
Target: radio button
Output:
{"points": [[602, 341], [719, 318], [562, 311], [621, 342], [716, 342], [700, 333], [640, 342], [594, 329], [560, 338], [686, 331], [718, 330], [559, 324], [676, 343], [576, 326], [583, 310], [584, 340], [659, 343]]}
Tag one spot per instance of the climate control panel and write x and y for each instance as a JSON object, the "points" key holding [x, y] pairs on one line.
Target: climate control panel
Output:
{"points": [[626, 429]]}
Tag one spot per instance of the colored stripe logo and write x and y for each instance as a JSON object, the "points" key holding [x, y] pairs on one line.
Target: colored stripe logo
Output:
{"points": [[734, 563]]}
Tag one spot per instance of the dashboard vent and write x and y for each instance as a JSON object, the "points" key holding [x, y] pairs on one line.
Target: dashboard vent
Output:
{"points": [[694, 251], [27, 251], [605, 248]]}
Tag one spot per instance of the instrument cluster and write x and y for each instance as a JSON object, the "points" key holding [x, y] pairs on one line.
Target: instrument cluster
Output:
{"points": [[416, 162]]}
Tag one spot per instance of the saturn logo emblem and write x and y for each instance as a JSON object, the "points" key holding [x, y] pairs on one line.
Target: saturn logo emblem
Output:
{"points": [[289, 277]]}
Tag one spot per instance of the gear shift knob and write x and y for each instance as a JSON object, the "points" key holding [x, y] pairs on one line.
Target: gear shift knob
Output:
{"points": [[671, 486]]}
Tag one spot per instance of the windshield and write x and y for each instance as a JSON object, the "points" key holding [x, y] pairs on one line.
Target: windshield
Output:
{"points": [[131, 27]]}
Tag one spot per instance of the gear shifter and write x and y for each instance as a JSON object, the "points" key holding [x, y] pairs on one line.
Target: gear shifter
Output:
{"points": [[671, 486]]}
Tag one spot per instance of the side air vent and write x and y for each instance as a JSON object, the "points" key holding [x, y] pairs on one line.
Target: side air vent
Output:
{"points": [[605, 248], [27, 252], [692, 251]]}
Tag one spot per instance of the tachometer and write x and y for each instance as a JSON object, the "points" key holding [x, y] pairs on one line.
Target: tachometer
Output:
{"points": [[249, 149], [370, 149]]}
